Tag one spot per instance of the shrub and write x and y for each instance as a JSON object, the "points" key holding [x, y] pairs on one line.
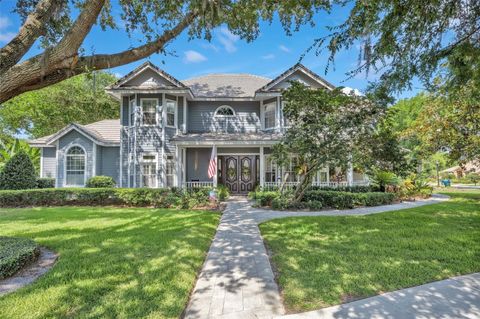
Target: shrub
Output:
{"points": [[100, 182], [314, 205], [474, 178], [18, 173], [45, 182], [343, 200], [156, 197], [223, 192], [285, 202], [383, 179], [264, 198], [16, 253]]}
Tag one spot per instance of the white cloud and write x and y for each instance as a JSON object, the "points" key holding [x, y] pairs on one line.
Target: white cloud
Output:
{"points": [[228, 40], [284, 48], [118, 75], [194, 57], [210, 46], [4, 22], [5, 36], [268, 56]]}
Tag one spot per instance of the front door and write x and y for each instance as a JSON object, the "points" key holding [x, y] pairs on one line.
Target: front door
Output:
{"points": [[239, 174]]}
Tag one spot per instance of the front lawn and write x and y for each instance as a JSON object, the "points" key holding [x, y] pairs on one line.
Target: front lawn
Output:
{"points": [[324, 261], [114, 262]]}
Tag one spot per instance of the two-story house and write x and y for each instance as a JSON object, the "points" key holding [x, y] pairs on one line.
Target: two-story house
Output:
{"points": [[168, 130]]}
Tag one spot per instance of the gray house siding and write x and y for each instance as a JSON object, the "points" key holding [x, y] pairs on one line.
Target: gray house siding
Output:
{"points": [[201, 117], [65, 142], [108, 162], [49, 162]]}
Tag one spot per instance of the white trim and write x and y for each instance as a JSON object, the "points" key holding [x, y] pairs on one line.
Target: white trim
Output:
{"points": [[178, 166], [65, 155], [185, 127], [94, 160], [215, 114], [41, 162], [120, 177], [175, 113], [156, 111], [262, 166], [240, 154], [163, 172], [278, 120], [70, 128], [224, 143], [184, 165], [262, 116], [301, 68]]}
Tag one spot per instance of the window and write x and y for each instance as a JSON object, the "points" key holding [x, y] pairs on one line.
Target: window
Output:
{"points": [[292, 169], [170, 171], [286, 122], [224, 110], [148, 171], [171, 111], [75, 166], [132, 112], [270, 170], [270, 116], [149, 111]]}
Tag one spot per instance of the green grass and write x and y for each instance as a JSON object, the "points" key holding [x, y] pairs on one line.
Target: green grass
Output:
{"points": [[324, 261], [114, 262]]}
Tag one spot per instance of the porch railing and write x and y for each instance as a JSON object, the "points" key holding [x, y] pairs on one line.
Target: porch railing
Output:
{"points": [[189, 185]]}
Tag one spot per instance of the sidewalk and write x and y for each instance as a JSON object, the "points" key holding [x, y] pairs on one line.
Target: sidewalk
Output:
{"points": [[454, 298]]}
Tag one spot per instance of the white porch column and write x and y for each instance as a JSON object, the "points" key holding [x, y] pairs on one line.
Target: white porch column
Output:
{"points": [[184, 166], [277, 117], [178, 167], [328, 175], [184, 131], [262, 116], [215, 177], [262, 167], [350, 173]]}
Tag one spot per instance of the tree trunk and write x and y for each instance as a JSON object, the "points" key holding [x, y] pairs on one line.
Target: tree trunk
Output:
{"points": [[305, 183]]}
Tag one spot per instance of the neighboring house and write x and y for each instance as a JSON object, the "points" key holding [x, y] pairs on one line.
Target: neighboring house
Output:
{"points": [[168, 130], [461, 171]]}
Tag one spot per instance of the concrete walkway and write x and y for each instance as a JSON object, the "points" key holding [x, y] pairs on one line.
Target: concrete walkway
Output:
{"points": [[237, 280], [454, 298]]}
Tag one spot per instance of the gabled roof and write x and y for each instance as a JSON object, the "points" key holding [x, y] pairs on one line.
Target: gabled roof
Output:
{"points": [[297, 67], [226, 85], [145, 66], [105, 133]]}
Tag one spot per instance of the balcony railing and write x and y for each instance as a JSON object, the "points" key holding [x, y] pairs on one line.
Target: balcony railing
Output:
{"points": [[235, 124]]}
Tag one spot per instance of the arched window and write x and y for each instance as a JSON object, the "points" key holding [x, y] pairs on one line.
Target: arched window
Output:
{"points": [[224, 110], [75, 166]]}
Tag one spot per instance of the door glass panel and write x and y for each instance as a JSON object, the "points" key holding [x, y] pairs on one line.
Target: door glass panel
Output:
{"points": [[246, 165], [231, 170]]}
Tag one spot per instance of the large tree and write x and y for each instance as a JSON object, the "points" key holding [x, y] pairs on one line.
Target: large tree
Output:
{"points": [[327, 128], [61, 27], [405, 39], [81, 99]]}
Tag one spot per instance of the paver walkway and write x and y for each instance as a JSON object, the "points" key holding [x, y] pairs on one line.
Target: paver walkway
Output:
{"points": [[237, 280]]}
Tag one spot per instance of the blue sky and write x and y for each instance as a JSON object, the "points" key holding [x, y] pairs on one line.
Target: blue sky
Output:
{"points": [[269, 55]]}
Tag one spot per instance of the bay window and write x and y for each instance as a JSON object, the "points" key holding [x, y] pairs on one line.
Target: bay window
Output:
{"points": [[149, 111]]}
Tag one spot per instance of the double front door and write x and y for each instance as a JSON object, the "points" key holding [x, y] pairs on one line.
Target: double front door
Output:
{"points": [[238, 173]]}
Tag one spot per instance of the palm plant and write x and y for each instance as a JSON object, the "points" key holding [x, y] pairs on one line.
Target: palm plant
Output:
{"points": [[383, 179], [9, 148]]}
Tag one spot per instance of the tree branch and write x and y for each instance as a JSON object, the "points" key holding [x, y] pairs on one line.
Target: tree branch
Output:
{"points": [[74, 37], [105, 61], [30, 31]]}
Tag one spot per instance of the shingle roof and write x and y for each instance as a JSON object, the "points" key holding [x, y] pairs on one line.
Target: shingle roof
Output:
{"points": [[204, 137], [105, 132], [226, 85]]}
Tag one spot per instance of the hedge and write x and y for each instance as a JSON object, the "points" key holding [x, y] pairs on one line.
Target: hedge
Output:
{"points": [[156, 197], [342, 200], [16, 253], [264, 198], [100, 182], [349, 189]]}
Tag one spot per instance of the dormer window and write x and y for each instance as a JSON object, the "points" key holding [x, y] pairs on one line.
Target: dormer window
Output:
{"points": [[224, 111], [270, 115]]}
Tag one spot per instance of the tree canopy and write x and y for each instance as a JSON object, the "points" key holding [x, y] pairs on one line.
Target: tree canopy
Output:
{"points": [[327, 128], [61, 26], [81, 99], [404, 39]]}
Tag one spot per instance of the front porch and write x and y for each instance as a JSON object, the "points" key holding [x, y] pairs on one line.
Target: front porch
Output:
{"points": [[241, 169]]}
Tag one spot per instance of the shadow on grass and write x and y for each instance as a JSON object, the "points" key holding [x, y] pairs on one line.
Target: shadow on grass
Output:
{"points": [[324, 261], [114, 262]]}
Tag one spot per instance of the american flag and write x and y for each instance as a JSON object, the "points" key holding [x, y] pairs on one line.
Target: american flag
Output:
{"points": [[212, 166]]}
